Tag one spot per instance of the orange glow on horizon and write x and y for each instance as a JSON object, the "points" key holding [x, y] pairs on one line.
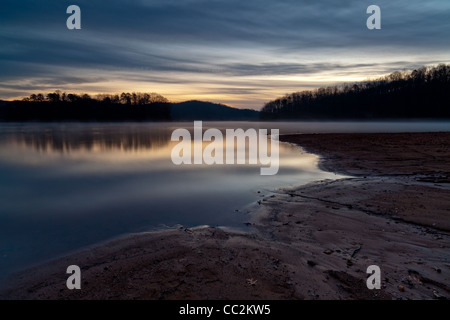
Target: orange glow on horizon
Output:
{"points": [[245, 92]]}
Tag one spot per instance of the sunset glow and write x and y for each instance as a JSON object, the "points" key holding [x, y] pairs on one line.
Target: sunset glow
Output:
{"points": [[227, 52]]}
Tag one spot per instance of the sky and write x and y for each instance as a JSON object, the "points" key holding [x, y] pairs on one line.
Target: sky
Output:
{"points": [[236, 52]]}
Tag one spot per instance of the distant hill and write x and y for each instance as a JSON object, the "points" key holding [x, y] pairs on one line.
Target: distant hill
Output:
{"points": [[200, 110]]}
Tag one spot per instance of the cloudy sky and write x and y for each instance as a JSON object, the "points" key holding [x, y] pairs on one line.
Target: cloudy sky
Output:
{"points": [[242, 53]]}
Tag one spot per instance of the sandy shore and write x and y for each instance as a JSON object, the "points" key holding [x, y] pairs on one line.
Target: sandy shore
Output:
{"points": [[310, 242]]}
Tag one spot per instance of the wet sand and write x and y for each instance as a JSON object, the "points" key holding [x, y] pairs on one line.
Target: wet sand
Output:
{"points": [[309, 242]]}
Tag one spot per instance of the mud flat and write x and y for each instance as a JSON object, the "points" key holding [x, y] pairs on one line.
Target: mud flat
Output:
{"points": [[310, 242]]}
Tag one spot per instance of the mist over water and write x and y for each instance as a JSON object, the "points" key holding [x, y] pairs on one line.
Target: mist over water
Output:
{"points": [[67, 186]]}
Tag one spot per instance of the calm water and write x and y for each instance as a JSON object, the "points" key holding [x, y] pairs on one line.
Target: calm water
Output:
{"points": [[67, 186]]}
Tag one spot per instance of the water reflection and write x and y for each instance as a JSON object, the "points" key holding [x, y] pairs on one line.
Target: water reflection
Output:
{"points": [[65, 186], [109, 143], [69, 138]]}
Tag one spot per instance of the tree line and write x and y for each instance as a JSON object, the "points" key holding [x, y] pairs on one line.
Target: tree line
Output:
{"points": [[420, 93], [62, 106]]}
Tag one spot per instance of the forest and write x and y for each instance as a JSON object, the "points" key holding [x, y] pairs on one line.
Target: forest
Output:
{"points": [[423, 93], [62, 106], [136, 106]]}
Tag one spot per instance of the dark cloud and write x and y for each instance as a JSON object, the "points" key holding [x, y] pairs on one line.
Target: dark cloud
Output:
{"points": [[234, 38]]}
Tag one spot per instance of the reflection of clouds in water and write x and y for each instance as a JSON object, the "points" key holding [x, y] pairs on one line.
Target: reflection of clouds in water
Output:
{"points": [[67, 138], [72, 149], [64, 186]]}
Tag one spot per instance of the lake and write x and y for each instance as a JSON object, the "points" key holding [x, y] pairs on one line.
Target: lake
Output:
{"points": [[66, 186]]}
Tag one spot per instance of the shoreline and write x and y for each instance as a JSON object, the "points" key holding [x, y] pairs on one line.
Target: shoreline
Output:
{"points": [[308, 242]]}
